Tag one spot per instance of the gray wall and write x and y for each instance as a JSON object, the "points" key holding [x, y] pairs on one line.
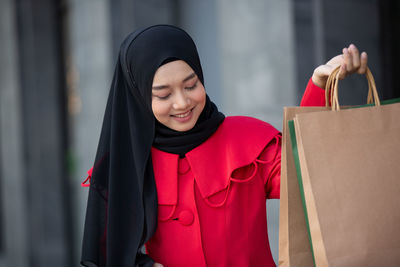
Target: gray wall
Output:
{"points": [[14, 249], [36, 221], [323, 28], [89, 71]]}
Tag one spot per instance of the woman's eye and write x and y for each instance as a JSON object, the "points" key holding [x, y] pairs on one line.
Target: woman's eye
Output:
{"points": [[162, 97], [191, 87]]}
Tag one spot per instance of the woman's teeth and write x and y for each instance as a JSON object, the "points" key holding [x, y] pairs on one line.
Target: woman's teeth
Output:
{"points": [[182, 115]]}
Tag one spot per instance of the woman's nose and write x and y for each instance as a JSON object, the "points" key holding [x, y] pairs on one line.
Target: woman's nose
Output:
{"points": [[181, 101]]}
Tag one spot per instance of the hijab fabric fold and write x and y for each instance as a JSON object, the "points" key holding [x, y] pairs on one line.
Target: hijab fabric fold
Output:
{"points": [[122, 204]]}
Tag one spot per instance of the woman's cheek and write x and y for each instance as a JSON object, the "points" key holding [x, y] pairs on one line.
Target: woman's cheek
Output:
{"points": [[160, 109], [201, 96]]}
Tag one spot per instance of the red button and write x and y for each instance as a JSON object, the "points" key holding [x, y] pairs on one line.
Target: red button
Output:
{"points": [[184, 166], [186, 217]]}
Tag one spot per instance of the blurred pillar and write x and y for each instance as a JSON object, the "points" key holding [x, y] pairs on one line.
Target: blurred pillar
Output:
{"points": [[256, 44], [324, 27], [14, 224], [390, 43], [89, 73], [44, 131], [306, 42], [128, 15], [200, 19], [361, 28], [256, 40]]}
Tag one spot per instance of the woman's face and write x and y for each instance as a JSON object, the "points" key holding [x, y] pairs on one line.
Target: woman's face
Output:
{"points": [[178, 96]]}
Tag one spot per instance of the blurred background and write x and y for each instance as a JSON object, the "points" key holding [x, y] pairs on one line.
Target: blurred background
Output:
{"points": [[56, 63]]}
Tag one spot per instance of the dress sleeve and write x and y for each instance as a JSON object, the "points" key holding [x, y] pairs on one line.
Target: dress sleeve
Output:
{"points": [[313, 95], [269, 162], [86, 183], [270, 159]]}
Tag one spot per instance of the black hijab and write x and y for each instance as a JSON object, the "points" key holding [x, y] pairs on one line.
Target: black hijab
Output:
{"points": [[122, 205]]}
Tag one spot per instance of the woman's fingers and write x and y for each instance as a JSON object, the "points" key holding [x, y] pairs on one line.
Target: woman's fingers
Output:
{"points": [[354, 62], [363, 64], [348, 60], [355, 56], [343, 71]]}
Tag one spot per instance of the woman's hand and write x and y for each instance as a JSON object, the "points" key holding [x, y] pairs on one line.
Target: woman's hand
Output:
{"points": [[350, 61], [158, 265]]}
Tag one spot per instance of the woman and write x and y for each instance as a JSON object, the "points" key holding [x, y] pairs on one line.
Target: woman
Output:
{"points": [[172, 173]]}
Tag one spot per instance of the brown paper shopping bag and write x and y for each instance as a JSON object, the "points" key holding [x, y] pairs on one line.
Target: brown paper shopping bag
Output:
{"points": [[350, 181], [294, 244]]}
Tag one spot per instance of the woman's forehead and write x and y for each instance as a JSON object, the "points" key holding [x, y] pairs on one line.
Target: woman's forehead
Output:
{"points": [[174, 71]]}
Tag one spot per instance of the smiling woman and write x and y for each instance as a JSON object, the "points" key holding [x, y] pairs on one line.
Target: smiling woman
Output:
{"points": [[172, 173], [122, 206], [178, 97]]}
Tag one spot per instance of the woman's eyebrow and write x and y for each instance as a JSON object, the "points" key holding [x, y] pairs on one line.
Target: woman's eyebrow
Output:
{"points": [[160, 87], [191, 76]]}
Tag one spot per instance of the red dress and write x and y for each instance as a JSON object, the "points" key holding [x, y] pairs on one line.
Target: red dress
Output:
{"points": [[212, 208]]}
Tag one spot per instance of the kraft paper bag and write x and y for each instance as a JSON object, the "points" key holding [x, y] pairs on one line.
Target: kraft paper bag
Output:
{"points": [[350, 180], [294, 243]]}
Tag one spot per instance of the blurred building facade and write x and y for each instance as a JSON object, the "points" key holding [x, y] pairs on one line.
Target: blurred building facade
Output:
{"points": [[57, 59]]}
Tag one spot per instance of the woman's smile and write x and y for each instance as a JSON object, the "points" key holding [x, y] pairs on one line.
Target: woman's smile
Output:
{"points": [[183, 117]]}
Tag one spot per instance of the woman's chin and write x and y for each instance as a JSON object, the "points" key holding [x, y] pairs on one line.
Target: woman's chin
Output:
{"points": [[181, 127]]}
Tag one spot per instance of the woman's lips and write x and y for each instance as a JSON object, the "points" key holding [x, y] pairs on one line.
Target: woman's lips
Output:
{"points": [[183, 117]]}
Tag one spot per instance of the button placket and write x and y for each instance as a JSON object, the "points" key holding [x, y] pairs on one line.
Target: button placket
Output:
{"points": [[186, 216]]}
